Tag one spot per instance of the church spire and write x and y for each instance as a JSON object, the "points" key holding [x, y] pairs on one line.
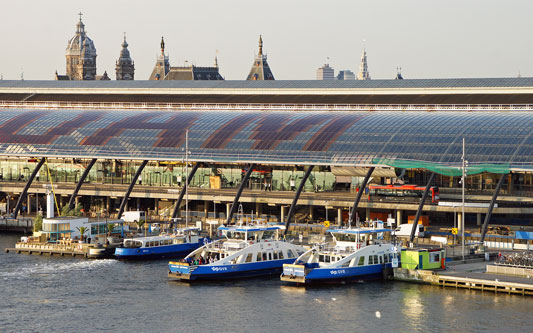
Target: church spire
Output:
{"points": [[162, 46], [260, 45], [363, 67], [80, 27]]}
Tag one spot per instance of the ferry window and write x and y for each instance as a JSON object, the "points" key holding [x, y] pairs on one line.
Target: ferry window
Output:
{"points": [[290, 254], [258, 256], [249, 257], [265, 256], [327, 259], [280, 254], [386, 258], [269, 255], [375, 259], [346, 264], [361, 261], [371, 260], [321, 258], [380, 259], [275, 255]]}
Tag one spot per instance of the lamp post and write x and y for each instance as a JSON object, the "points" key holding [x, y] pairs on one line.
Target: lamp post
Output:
{"points": [[186, 178], [464, 166]]}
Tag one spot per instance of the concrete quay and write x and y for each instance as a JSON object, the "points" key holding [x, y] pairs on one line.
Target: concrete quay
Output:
{"points": [[475, 275]]}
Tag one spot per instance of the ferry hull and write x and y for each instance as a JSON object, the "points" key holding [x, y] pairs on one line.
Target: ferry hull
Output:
{"points": [[226, 272], [169, 251], [339, 275]]}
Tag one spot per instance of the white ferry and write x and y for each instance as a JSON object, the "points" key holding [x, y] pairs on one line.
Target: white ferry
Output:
{"points": [[356, 254], [175, 245], [246, 251]]}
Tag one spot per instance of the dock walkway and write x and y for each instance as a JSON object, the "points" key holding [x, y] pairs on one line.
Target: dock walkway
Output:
{"points": [[469, 276]]}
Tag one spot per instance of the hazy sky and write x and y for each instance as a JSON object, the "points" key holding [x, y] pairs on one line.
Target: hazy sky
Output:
{"points": [[427, 38]]}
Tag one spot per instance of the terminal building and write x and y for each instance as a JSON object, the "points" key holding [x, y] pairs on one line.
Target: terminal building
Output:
{"points": [[284, 150]]}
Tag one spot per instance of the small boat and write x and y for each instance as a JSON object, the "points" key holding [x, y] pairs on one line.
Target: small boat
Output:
{"points": [[245, 251], [355, 255], [175, 245]]}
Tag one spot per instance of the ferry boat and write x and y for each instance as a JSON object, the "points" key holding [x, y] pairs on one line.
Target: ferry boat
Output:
{"points": [[245, 251], [174, 245], [356, 254]]}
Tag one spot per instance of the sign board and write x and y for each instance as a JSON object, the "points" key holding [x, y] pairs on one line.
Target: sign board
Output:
{"points": [[454, 231], [395, 262], [326, 224]]}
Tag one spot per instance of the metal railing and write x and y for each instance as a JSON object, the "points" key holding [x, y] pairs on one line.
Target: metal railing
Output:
{"points": [[262, 106]]}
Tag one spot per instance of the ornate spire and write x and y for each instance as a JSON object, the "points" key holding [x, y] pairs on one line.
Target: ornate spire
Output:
{"points": [[162, 46], [363, 67], [260, 45], [216, 62], [80, 26]]}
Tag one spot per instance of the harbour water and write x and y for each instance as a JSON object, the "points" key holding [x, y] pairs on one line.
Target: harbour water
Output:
{"points": [[60, 294]]}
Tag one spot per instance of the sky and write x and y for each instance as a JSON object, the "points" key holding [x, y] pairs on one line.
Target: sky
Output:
{"points": [[426, 38]]}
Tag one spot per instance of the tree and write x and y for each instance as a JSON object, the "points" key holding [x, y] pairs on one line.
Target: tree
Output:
{"points": [[140, 224], [38, 223], [110, 227], [82, 231]]}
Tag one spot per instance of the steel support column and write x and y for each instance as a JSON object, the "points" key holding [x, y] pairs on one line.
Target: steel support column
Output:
{"points": [[491, 207], [71, 202], [238, 195], [27, 187], [183, 189], [420, 206], [292, 210], [130, 188], [351, 220]]}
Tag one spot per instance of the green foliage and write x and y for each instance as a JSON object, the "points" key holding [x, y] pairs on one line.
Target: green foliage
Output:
{"points": [[76, 211], [38, 223], [110, 227], [140, 224], [82, 231]]}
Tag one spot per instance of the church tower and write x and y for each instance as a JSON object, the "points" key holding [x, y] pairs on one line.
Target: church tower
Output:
{"points": [[125, 68], [162, 66], [260, 69], [81, 55], [363, 68]]}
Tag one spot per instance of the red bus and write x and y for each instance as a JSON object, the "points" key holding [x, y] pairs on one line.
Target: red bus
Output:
{"points": [[403, 191]]}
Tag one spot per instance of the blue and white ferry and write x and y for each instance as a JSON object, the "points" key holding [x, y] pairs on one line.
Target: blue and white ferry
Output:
{"points": [[356, 254], [175, 245], [245, 251]]}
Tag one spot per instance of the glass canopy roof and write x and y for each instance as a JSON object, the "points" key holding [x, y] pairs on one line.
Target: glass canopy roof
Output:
{"points": [[426, 139]]}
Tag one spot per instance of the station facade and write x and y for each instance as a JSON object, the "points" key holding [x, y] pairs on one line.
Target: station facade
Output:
{"points": [[404, 130]]}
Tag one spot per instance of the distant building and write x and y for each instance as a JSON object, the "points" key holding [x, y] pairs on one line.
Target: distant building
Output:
{"points": [[125, 68], [398, 74], [346, 75], [163, 71], [260, 69], [363, 68], [81, 57], [325, 73]]}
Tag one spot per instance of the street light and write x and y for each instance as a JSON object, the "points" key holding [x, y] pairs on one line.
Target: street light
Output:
{"points": [[464, 167]]}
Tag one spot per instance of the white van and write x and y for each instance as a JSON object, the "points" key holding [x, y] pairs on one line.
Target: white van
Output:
{"points": [[404, 230], [134, 216]]}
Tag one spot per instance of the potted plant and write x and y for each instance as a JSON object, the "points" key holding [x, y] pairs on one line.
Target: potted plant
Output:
{"points": [[110, 227], [82, 231]]}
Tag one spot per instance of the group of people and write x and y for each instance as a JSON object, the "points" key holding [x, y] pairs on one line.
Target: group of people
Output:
{"points": [[203, 261]]}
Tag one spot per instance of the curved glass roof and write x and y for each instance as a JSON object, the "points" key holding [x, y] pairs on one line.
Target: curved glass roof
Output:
{"points": [[279, 137]]}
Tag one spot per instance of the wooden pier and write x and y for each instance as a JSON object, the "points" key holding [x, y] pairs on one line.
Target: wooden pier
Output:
{"points": [[47, 251], [64, 248], [473, 279]]}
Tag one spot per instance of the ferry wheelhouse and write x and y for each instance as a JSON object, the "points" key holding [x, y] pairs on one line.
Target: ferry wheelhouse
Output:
{"points": [[355, 254], [245, 251], [174, 245]]}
